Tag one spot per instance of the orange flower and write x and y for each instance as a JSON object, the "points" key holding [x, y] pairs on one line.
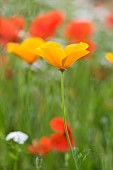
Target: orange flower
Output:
{"points": [[9, 29], [26, 49], [58, 139], [43, 146], [79, 29], [109, 57], [45, 25], [62, 58]]}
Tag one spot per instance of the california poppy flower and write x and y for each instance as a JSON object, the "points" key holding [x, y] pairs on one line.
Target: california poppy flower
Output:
{"points": [[109, 57], [79, 29], [10, 29], [53, 53], [59, 139], [45, 25], [43, 146], [26, 49]]}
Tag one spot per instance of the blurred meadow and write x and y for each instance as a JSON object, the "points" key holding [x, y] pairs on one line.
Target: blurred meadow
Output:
{"points": [[30, 94]]}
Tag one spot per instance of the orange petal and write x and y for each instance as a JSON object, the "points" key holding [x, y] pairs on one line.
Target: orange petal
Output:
{"points": [[75, 48], [109, 56], [21, 52], [70, 59], [53, 55], [32, 43], [52, 44]]}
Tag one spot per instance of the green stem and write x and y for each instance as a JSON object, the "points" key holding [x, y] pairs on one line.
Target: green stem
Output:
{"points": [[28, 81], [37, 164], [16, 158], [24, 99], [65, 124]]}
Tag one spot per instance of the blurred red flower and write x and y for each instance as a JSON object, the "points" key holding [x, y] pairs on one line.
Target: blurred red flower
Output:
{"points": [[91, 47], [18, 21], [45, 25], [43, 146], [79, 29], [58, 139], [109, 20], [10, 28]]}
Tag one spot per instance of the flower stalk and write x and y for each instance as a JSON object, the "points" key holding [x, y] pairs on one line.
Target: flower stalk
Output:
{"points": [[28, 88], [65, 120], [16, 152], [37, 164]]}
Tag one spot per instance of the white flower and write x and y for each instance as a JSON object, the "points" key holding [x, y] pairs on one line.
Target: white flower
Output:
{"points": [[18, 137]]}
